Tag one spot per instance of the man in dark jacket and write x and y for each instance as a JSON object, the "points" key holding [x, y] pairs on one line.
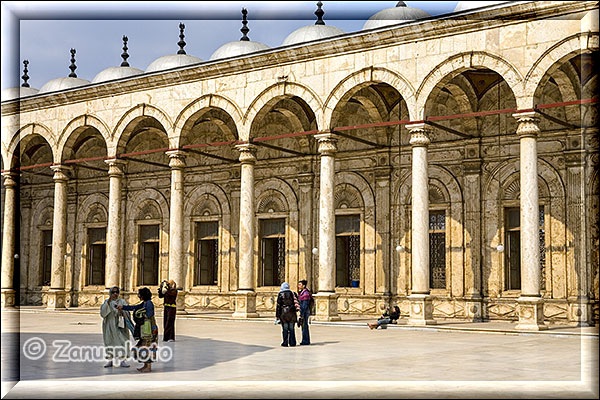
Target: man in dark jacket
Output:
{"points": [[286, 313], [304, 298]]}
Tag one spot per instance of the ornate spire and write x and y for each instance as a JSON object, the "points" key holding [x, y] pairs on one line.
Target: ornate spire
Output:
{"points": [[73, 67], [25, 77], [181, 42], [245, 28], [400, 4], [319, 13], [124, 55]]}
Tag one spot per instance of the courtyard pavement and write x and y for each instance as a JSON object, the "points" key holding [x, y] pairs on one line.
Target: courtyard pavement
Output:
{"points": [[217, 357]]}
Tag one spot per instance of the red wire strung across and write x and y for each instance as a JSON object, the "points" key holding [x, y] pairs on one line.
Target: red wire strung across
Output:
{"points": [[342, 128]]}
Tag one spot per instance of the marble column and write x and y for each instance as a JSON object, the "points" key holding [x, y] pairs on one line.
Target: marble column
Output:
{"points": [[176, 250], [113, 231], [530, 304], [245, 297], [8, 239], [326, 299], [421, 307], [56, 297]]}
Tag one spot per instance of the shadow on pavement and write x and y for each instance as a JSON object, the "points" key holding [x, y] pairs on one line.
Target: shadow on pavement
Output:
{"points": [[189, 354]]}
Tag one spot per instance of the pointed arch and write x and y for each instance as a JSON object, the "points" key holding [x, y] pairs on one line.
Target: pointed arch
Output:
{"points": [[458, 63], [362, 78]]}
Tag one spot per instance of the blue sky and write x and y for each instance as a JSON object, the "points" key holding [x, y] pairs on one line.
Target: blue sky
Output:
{"points": [[43, 32]]}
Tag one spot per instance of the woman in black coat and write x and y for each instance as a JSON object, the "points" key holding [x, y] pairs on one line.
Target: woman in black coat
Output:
{"points": [[286, 313]]}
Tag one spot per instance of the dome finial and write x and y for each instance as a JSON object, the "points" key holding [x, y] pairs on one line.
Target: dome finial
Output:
{"points": [[124, 55], [181, 42], [25, 77], [400, 4], [245, 28], [73, 67], [319, 13]]}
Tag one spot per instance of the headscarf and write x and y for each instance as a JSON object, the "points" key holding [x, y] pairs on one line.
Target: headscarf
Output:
{"points": [[172, 284], [284, 286], [113, 288]]}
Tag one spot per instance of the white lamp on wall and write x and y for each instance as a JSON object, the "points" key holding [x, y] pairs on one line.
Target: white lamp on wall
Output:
{"points": [[315, 251], [500, 248], [399, 248]]}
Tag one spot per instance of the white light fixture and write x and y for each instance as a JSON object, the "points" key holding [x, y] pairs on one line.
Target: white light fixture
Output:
{"points": [[315, 251], [399, 249], [16, 256], [500, 248]]}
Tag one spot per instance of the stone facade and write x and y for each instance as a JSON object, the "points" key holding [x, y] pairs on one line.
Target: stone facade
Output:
{"points": [[467, 169]]}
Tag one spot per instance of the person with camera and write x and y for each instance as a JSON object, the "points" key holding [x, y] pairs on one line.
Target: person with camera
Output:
{"points": [[306, 303], [168, 291]]}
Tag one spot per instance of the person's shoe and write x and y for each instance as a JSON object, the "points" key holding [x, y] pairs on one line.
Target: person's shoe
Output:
{"points": [[304, 344], [284, 345], [124, 364], [108, 364], [171, 340], [370, 325]]}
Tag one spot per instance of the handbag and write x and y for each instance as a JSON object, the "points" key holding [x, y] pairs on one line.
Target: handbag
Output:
{"points": [[121, 322], [146, 330]]}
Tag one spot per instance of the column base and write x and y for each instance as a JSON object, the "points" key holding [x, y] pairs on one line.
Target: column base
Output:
{"points": [[56, 299], [421, 310], [474, 308], [245, 304], [531, 314], [580, 311], [326, 306], [180, 302], [8, 298]]}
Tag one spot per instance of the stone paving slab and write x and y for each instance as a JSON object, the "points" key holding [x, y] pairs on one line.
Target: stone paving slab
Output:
{"points": [[240, 359]]}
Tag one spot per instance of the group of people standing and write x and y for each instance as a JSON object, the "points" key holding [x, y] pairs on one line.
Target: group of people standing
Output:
{"points": [[118, 324], [289, 305]]}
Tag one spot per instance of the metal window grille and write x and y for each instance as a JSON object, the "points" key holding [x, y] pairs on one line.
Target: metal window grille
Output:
{"points": [[437, 249]]}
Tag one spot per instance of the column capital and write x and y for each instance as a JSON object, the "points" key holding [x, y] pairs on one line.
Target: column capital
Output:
{"points": [[528, 123], [60, 172], [247, 153], [419, 134], [327, 143], [115, 166], [10, 178], [176, 158]]}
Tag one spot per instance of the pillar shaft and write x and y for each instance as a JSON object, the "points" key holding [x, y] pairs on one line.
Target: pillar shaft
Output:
{"points": [[419, 141], [246, 240], [528, 131], [326, 299], [531, 307], [327, 148], [59, 227], [176, 259], [8, 239], [113, 234]]}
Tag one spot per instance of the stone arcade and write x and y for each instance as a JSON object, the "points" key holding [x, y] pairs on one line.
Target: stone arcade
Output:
{"points": [[189, 171]]}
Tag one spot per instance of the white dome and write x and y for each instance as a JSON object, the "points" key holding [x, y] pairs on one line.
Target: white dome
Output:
{"points": [[311, 32], [18, 92], [62, 84], [238, 48], [467, 5], [172, 61], [395, 15], [115, 73]]}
